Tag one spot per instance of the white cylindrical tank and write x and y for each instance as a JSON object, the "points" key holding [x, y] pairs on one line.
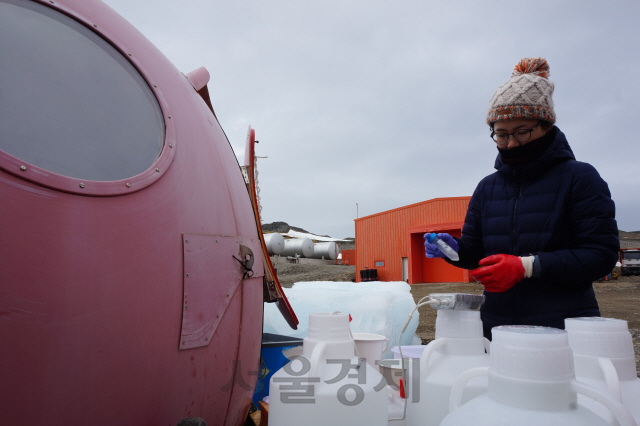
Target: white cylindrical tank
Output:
{"points": [[303, 247], [328, 250], [274, 243]]}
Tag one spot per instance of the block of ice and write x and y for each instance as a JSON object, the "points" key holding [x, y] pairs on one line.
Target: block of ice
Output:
{"points": [[376, 307]]}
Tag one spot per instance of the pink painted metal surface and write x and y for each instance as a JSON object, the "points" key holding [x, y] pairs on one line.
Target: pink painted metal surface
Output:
{"points": [[92, 287], [212, 276], [198, 78]]}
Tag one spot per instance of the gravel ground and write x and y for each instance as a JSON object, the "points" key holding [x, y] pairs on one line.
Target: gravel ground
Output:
{"points": [[290, 273], [617, 298]]}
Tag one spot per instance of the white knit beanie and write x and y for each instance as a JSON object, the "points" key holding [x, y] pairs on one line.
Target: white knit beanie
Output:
{"points": [[527, 94]]}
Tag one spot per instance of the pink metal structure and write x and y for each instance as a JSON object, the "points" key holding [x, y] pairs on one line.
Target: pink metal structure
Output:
{"points": [[120, 298]]}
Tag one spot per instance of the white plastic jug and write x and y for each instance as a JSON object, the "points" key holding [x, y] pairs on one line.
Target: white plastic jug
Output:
{"points": [[531, 382], [327, 385], [604, 358], [459, 346], [411, 351], [371, 347], [395, 407]]}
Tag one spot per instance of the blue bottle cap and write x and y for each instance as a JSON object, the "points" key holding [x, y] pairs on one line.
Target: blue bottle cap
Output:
{"points": [[432, 237]]}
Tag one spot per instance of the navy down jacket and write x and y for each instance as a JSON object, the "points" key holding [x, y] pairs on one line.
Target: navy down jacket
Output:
{"points": [[556, 208]]}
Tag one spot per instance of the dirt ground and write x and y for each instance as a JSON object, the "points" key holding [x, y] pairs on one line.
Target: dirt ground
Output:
{"points": [[618, 298], [290, 273]]}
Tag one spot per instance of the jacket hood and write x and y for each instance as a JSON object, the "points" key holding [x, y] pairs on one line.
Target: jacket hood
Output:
{"points": [[558, 151]]}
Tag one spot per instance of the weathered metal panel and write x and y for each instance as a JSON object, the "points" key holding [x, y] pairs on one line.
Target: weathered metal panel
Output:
{"points": [[212, 274]]}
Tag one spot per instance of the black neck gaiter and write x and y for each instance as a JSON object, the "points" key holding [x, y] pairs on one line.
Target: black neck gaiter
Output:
{"points": [[527, 152]]}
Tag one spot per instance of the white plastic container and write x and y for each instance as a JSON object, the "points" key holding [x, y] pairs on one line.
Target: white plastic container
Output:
{"points": [[458, 347], [370, 347], [531, 383], [328, 385], [411, 351], [443, 247], [604, 358], [395, 407]]}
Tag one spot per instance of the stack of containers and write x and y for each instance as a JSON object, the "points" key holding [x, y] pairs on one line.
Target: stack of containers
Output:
{"points": [[604, 358], [531, 383]]}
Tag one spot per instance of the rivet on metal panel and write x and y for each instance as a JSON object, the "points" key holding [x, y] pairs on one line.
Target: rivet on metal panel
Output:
{"points": [[187, 274], [95, 25], [157, 170], [227, 295], [155, 85], [23, 168], [186, 241], [217, 316], [169, 117], [170, 145], [183, 343], [82, 185], [216, 241], [206, 339], [186, 307], [128, 185], [129, 54]]}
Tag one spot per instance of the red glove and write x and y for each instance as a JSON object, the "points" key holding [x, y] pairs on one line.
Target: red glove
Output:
{"points": [[500, 272]]}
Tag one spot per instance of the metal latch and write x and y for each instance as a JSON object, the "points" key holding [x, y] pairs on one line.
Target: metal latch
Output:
{"points": [[246, 260]]}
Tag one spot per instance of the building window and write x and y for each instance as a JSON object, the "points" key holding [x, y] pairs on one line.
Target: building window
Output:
{"points": [[379, 263]]}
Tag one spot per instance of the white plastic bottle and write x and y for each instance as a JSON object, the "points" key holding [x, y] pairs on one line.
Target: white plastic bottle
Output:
{"points": [[327, 385], [531, 383], [443, 247], [604, 358], [458, 347]]}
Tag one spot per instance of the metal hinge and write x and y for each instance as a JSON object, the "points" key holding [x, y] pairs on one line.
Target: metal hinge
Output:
{"points": [[270, 293], [245, 174]]}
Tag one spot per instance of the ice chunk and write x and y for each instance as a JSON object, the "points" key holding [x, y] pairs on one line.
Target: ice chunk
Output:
{"points": [[376, 307]]}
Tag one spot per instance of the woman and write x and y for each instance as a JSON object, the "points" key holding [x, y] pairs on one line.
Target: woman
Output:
{"points": [[541, 228]]}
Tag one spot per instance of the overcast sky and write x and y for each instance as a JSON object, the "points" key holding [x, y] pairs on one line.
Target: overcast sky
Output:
{"points": [[383, 103]]}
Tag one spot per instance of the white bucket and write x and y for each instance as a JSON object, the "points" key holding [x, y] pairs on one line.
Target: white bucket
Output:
{"points": [[328, 385], [411, 351], [371, 347], [604, 358], [531, 383]]}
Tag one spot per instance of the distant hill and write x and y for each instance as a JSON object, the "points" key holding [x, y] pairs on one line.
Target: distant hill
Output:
{"points": [[283, 227]]}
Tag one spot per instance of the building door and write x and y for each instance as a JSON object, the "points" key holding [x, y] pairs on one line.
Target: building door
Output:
{"points": [[405, 269]]}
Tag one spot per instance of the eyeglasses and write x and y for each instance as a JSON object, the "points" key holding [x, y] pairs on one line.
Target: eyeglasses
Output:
{"points": [[522, 135]]}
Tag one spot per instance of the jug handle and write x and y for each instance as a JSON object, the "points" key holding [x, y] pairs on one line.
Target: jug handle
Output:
{"points": [[315, 359], [426, 355], [620, 413], [455, 397], [611, 377]]}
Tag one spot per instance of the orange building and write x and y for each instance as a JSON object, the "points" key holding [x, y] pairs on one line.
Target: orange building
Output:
{"points": [[348, 257], [392, 242]]}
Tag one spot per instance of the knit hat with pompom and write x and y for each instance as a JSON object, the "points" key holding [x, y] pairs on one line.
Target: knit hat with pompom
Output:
{"points": [[527, 94]]}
